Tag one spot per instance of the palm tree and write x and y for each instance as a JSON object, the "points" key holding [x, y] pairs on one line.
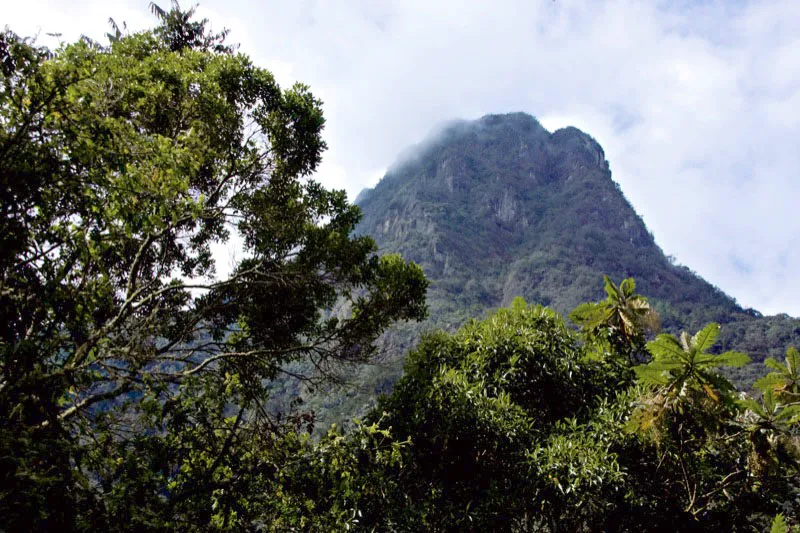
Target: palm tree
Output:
{"points": [[785, 380], [687, 409], [681, 365], [770, 414], [770, 421], [180, 32], [769, 425], [622, 318]]}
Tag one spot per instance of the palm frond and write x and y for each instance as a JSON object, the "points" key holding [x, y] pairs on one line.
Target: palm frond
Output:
{"points": [[770, 362], [793, 360], [158, 11], [665, 346], [789, 414], [639, 304], [771, 381], [734, 359], [753, 406], [686, 342], [704, 339], [613, 292], [628, 286], [651, 375]]}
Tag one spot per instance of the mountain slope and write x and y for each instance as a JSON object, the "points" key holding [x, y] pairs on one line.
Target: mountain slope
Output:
{"points": [[500, 207]]}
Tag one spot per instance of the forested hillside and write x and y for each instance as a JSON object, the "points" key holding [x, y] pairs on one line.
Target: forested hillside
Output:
{"points": [[500, 207], [143, 388]]}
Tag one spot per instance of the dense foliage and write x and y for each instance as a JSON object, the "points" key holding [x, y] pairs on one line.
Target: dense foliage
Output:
{"points": [[135, 377], [134, 373], [518, 423]]}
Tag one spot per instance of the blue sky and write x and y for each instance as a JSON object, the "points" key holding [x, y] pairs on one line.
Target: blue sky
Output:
{"points": [[696, 104]]}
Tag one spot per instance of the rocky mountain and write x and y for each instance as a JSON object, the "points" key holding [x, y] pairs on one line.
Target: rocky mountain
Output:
{"points": [[500, 207]]}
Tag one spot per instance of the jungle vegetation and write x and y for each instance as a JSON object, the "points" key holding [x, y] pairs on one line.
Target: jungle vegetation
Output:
{"points": [[136, 375]]}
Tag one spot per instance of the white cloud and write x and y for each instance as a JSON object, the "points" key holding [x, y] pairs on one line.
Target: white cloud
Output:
{"points": [[697, 104]]}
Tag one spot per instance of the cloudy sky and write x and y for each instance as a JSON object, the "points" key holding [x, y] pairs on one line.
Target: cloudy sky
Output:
{"points": [[696, 103]]}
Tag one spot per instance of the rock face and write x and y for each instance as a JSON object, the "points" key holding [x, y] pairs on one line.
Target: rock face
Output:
{"points": [[499, 208]]}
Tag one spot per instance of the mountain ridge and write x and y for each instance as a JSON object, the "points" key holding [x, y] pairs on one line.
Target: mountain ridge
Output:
{"points": [[500, 207], [542, 180]]}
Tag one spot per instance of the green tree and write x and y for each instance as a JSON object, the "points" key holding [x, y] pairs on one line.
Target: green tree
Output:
{"points": [[711, 446], [680, 366], [784, 379], [495, 416], [770, 424], [621, 320], [131, 367], [510, 425]]}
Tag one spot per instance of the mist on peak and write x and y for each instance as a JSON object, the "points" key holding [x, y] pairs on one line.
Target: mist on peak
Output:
{"points": [[500, 207]]}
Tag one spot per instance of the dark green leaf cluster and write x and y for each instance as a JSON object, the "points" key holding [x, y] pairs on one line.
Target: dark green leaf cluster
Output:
{"points": [[134, 370], [515, 424]]}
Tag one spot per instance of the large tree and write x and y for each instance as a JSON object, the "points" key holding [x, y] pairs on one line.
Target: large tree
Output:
{"points": [[484, 409], [131, 362]]}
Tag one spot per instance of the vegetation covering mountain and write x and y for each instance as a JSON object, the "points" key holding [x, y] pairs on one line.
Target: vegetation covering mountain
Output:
{"points": [[134, 383], [500, 207]]}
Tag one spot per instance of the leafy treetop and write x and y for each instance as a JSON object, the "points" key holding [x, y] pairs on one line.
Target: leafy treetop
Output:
{"points": [[123, 168]]}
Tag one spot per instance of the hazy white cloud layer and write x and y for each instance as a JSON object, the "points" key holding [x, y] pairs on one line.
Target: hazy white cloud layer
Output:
{"points": [[696, 103]]}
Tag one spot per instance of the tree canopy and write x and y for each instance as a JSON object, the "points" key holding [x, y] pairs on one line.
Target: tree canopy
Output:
{"points": [[515, 424], [132, 363], [135, 367]]}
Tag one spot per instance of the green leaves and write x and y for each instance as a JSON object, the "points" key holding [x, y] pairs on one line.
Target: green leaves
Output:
{"points": [[771, 412], [125, 166], [472, 404], [667, 348], [621, 321], [577, 463], [733, 359], [704, 339], [655, 375], [686, 362], [784, 379], [779, 524]]}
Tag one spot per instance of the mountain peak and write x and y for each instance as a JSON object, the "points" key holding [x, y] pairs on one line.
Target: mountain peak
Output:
{"points": [[516, 119], [575, 141], [500, 207], [488, 126], [481, 139]]}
